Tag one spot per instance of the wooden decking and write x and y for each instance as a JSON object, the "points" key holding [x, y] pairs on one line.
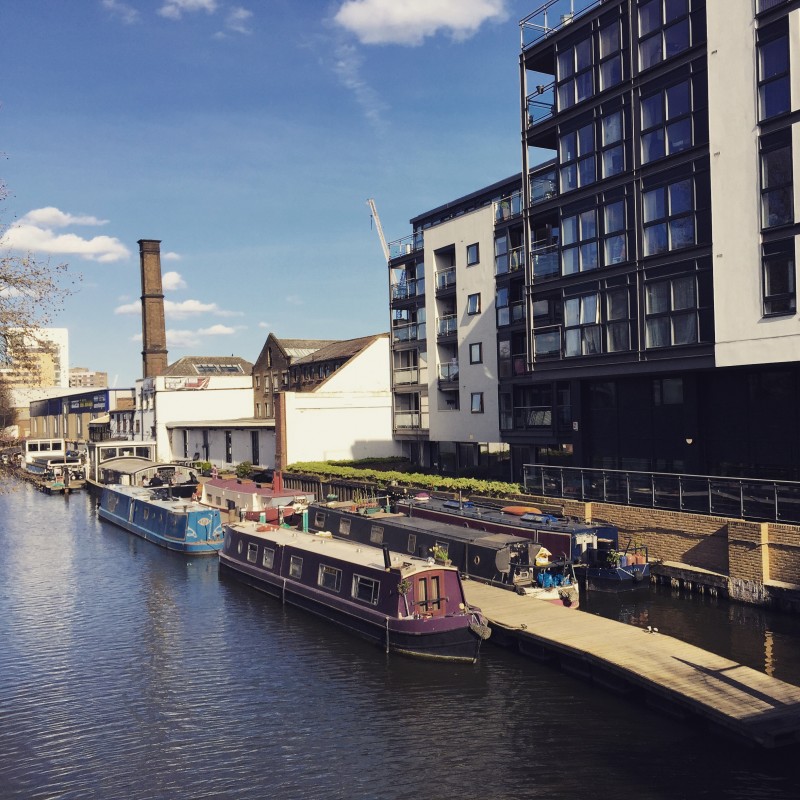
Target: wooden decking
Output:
{"points": [[676, 677]]}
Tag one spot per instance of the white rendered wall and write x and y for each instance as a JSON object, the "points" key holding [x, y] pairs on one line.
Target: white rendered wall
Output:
{"points": [[463, 425], [348, 417], [743, 335]]}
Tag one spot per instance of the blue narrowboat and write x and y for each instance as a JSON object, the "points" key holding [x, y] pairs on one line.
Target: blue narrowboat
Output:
{"points": [[175, 523]]}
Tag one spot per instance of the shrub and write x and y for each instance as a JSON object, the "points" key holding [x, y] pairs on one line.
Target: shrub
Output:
{"points": [[244, 470]]}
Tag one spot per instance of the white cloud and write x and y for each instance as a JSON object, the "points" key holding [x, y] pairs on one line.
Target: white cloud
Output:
{"points": [[126, 13], [294, 300], [217, 330], [181, 338], [238, 20], [347, 66], [170, 281], [33, 234], [264, 325], [175, 9], [180, 310], [171, 256], [52, 217], [409, 22]]}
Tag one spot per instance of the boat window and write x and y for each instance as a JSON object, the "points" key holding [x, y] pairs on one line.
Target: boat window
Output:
{"points": [[344, 527], [239, 547], [268, 558], [422, 594], [365, 589], [376, 534], [252, 552], [319, 519], [435, 602], [330, 578], [147, 513], [412, 542], [295, 566]]}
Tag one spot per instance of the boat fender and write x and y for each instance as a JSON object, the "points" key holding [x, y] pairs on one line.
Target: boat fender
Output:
{"points": [[479, 629]]}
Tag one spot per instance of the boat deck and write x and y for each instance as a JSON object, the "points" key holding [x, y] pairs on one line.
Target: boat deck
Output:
{"points": [[679, 678]]}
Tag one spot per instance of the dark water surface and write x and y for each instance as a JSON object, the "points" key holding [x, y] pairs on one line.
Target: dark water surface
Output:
{"points": [[131, 672]]}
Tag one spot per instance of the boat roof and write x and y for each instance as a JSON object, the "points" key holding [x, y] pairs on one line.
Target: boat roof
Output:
{"points": [[251, 487], [340, 549], [433, 526], [154, 496]]}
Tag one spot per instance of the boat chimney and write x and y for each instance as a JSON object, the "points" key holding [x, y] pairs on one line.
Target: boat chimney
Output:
{"points": [[387, 557]]}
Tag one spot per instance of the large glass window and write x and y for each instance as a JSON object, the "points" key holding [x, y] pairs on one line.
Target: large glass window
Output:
{"points": [[581, 325], [663, 30], [774, 96], [777, 202], [576, 152], [547, 344], [615, 238], [618, 335], [668, 217], [666, 122], [610, 56], [779, 278], [579, 242], [671, 308], [575, 81], [613, 150]]}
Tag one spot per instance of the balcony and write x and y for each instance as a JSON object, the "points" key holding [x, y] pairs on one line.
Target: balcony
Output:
{"points": [[541, 104], [447, 326], [512, 261], [544, 187], [512, 313], [406, 376], [545, 261], [508, 207], [550, 17], [448, 375], [407, 289], [533, 417], [410, 420], [409, 332], [445, 279], [406, 245]]}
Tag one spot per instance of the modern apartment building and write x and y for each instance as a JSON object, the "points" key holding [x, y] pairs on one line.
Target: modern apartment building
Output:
{"points": [[445, 308], [633, 303], [660, 217], [84, 377]]}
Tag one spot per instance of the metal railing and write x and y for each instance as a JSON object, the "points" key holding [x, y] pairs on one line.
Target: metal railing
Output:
{"points": [[448, 371], [445, 279], [551, 16], [447, 326], [541, 104], [741, 498], [545, 261], [405, 376], [544, 187], [407, 245], [512, 261], [508, 207]]}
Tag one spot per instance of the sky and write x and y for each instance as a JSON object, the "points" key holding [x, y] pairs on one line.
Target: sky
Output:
{"points": [[247, 137]]}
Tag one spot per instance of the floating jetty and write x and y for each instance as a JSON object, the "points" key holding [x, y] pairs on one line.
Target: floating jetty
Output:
{"points": [[675, 677]]}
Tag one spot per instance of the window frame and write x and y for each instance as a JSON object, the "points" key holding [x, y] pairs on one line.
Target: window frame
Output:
{"points": [[329, 578], [476, 405], [473, 304], [587, 333], [771, 146], [584, 238], [767, 37], [669, 219], [365, 589], [783, 303], [670, 313], [662, 33], [473, 359], [666, 121], [473, 248]]}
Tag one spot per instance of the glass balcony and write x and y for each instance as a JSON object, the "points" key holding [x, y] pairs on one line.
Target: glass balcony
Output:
{"points": [[406, 376], [508, 207], [545, 260], [447, 326], [543, 187], [406, 245], [532, 417], [512, 261], [541, 104], [410, 420], [551, 16], [449, 371], [405, 333], [404, 290], [445, 279]]}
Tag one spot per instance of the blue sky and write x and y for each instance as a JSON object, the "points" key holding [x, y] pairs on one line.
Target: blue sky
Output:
{"points": [[247, 137]]}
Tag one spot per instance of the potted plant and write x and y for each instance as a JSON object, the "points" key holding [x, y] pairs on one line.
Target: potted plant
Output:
{"points": [[439, 554]]}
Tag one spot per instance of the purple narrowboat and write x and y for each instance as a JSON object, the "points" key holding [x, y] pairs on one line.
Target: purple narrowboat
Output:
{"points": [[406, 605]]}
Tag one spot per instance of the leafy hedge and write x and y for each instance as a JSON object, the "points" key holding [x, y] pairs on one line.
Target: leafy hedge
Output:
{"points": [[330, 470]]}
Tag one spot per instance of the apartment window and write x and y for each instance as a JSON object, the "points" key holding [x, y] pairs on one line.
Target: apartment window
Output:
{"points": [[612, 155], [575, 82], [663, 30], [473, 303], [666, 122], [576, 156], [774, 96], [547, 344], [668, 217], [610, 56], [581, 328], [615, 240], [779, 278], [476, 353], [671, 307], [476, 403], [618, 334], [501, 305], [579, 242], [473, 256], [777, 204]]}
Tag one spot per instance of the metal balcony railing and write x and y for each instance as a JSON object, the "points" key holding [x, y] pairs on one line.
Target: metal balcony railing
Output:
{"points": [[406, 376], [541, 103], [447, 326], [544, 187], [508, 207], [407, 245], [410, 420], [511, 261], [405, 333], [545, 261], [404, 290], [551, 16], [743, 498], [448, 371], [445, 279]]}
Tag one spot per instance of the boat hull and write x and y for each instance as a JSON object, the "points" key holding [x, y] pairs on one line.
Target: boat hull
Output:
{"points": [[175, 525]]}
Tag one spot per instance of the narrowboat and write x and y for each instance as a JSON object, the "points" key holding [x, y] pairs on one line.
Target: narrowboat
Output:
{"points": [[501, 559], [250, 499], [406, 605], [594, 549], [177, 524]]}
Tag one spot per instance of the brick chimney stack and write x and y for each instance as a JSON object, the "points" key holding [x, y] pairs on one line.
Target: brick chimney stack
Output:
{"points": [[154, 331]]}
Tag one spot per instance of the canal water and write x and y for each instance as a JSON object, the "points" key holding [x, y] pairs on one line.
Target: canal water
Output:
{"points": [[130, 672]]}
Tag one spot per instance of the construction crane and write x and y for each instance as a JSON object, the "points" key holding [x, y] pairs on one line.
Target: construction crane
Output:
{"points": [[379, 228]]}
